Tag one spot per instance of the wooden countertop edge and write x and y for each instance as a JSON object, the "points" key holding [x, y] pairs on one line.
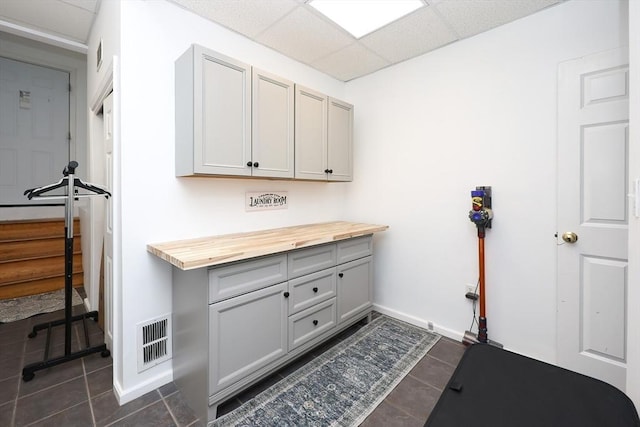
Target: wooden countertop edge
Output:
{"points": [[181, 253]]}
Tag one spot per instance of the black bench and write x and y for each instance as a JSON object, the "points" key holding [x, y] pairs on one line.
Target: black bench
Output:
{"points": [[492, 387]]}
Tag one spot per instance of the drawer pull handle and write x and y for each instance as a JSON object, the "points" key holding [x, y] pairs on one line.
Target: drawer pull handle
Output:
{"points": [[286, 294], [315, 323], [315, 289], [340, 274]]}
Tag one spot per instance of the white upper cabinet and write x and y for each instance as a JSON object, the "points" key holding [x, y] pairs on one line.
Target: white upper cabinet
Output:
{"points": [[340, 141], [230, 119], [324, 137], [311, 134], [273, 118], [213, 114], [236, 120]]}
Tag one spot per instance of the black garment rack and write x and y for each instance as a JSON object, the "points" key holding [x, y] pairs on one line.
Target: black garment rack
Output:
{"points": [[71, 185]]}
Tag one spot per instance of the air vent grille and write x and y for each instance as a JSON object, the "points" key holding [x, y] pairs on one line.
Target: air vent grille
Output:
{"points": [[154, 342]]}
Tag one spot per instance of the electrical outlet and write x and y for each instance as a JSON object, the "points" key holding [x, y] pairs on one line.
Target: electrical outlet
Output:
{"points": [[471, 292]]}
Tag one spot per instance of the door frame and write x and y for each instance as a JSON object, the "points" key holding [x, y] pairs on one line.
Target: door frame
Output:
{"points": [[96, 156]]}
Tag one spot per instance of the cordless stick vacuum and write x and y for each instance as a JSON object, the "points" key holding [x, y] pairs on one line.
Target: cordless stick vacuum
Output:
{"points": [[481, 215]]}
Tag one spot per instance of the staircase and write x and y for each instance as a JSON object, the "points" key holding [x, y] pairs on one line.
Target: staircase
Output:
{"points": [[32, 257]]}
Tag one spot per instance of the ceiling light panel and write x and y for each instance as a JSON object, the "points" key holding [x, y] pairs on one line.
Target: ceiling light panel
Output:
{"points": [[361, 17]]}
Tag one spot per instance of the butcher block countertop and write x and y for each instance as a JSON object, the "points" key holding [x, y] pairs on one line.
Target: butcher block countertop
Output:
{"points": [[215, 250]]}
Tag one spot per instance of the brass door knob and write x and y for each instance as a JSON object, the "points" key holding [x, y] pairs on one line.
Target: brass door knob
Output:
{"points": [[570, 237]]}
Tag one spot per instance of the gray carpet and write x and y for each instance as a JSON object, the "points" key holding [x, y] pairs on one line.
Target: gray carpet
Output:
{"points": [[342, 386], [21, 308]]}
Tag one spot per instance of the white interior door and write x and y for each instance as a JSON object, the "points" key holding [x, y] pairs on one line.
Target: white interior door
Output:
{"points": [[593, 145], [34, 127], [107, 114]]}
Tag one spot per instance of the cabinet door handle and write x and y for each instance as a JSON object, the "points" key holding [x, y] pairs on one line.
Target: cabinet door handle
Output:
{"points": [[249, 163], [315, 323], [315, 289], [255, 164], [326, 171], [330, 170], [286, 294], [340, 274]]}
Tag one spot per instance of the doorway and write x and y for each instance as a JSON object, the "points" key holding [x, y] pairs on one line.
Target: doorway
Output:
{"points": [[34, 128]]}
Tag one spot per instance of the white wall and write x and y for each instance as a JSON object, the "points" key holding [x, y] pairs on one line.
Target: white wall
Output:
{"points": [[478, 112], [157, 206], [633, 333]]}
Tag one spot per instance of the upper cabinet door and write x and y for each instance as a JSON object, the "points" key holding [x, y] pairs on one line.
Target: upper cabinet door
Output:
{"points": [[273, 118], [226, 116], [340, 141], [310, 134], [213, 114]]}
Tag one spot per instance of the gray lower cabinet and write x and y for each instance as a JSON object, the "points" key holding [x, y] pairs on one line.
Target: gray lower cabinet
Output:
{"points": [[354, 290], [246, 333], [237, 323]]}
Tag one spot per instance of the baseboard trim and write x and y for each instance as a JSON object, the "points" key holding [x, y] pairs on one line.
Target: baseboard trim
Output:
{"points": [[421, 323], [125, 396]]}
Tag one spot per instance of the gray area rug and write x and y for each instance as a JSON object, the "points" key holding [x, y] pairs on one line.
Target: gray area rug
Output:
{"points": [[21, 308], [342, 386]]}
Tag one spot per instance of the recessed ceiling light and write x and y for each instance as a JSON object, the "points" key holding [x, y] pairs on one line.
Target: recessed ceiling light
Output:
{"points": [[361, 17]]}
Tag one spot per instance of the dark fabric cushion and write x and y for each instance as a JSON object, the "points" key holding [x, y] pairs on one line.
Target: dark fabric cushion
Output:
{"points": [[492, 387]]}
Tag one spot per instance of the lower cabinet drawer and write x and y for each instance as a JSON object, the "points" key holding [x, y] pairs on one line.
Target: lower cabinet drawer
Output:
{"points": [[243, 277], [309, 290], [352, 249], [310, 323]]}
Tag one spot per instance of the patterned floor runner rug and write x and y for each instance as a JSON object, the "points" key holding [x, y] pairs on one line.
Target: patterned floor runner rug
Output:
{"points": [[342, 386], [20, 308]]}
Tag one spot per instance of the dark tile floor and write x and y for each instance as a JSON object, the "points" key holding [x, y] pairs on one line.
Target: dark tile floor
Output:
{"points": [[79, 393]]}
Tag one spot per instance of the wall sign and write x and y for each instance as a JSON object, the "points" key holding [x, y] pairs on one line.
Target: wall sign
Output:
{"points": [[265, 200]]}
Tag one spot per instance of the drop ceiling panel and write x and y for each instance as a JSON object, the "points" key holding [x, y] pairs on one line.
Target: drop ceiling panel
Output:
{"points": [[305, 36], [49, 16], [351, 62], [470, 17], [413, 35], [248, 17], [90, 5]]}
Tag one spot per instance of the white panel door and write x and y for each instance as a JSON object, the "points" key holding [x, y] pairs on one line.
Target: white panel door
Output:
{"points": [[593, 121], [34, 128]]}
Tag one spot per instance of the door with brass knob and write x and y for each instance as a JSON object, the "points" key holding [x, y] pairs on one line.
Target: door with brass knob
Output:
{"points": [[592, 159]]}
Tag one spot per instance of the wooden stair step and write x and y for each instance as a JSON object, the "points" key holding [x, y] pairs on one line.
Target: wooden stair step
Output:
{"points": [[33, 249], [35, 229], [35, 269], [33, 287]]}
